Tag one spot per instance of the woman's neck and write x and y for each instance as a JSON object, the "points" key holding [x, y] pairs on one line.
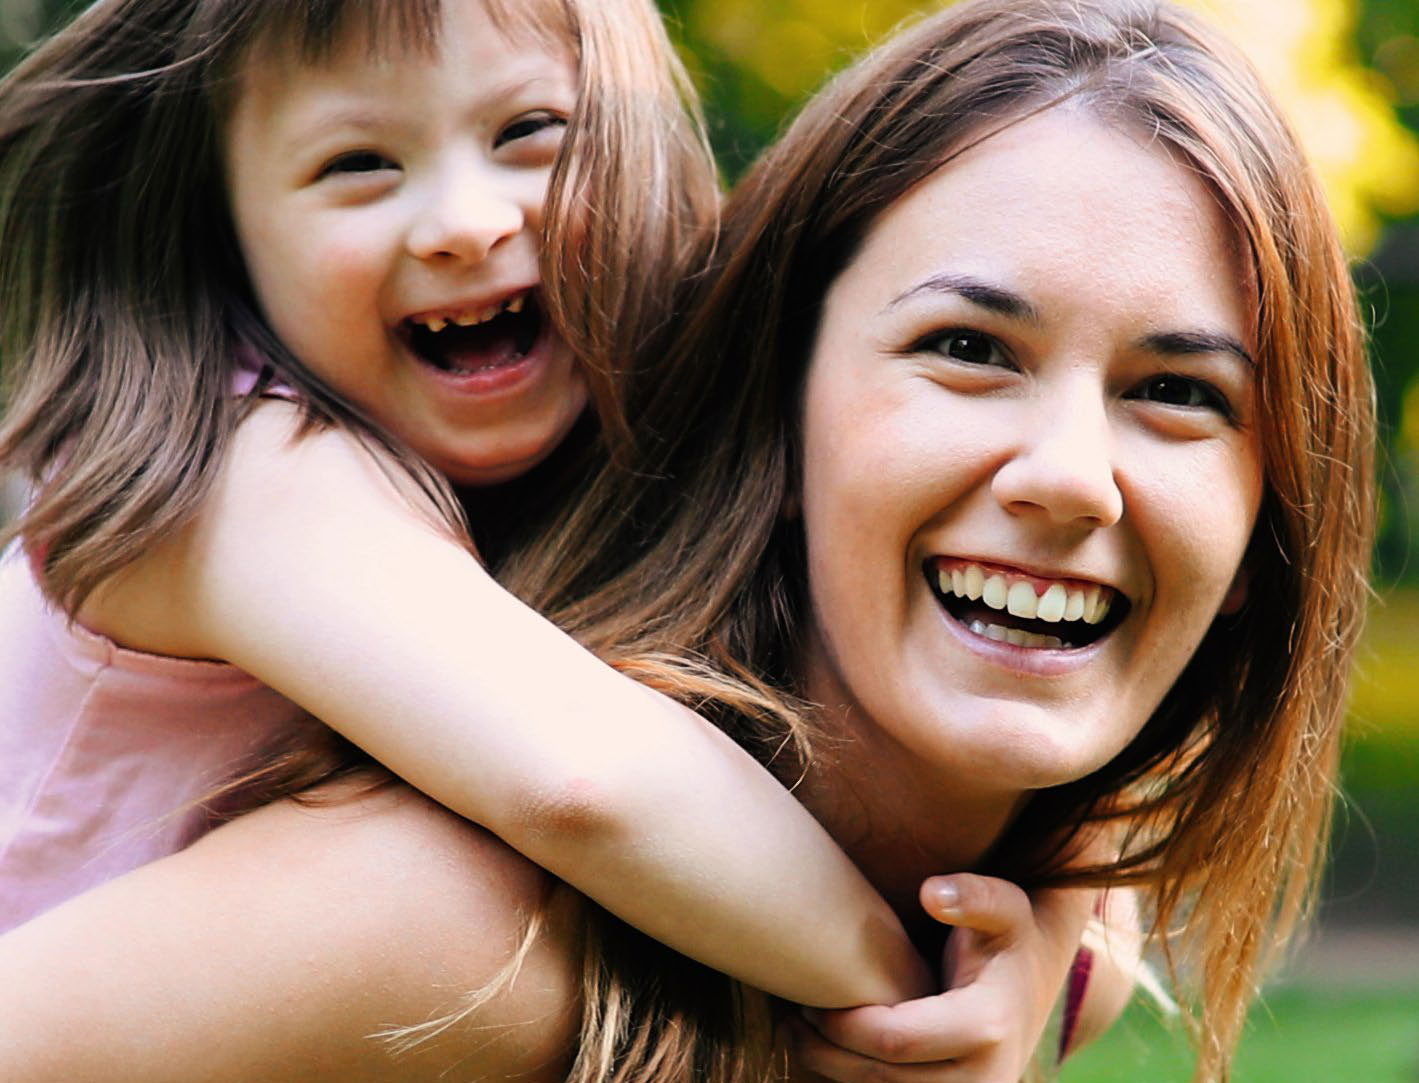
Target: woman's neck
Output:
{"points": [[900, 817]]}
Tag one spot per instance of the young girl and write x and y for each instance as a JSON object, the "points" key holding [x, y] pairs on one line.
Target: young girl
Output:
{"points": [[272, 272], [276, 272]]}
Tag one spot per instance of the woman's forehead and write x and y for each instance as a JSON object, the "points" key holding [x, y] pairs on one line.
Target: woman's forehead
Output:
{"points": [[1064, 190]]}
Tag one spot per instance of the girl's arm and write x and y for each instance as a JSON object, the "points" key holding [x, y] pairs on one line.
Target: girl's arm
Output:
{"points": [[311, 569], [280, 945]]}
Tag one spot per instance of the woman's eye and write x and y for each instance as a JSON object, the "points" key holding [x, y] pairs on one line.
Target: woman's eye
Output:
{"points": [[358, 161], [968, 347], [529, 126], [1174, 390]]}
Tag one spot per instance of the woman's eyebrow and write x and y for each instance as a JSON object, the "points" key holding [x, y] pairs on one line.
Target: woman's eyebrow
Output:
{"points": [[1181, 343], [985, 294]]}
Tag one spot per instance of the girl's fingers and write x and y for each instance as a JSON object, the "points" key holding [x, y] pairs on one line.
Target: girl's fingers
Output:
{"points": [[953, 1025], [985, 904]]}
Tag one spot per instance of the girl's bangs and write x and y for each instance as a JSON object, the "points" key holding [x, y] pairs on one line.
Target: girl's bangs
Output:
{"points": [[396, 26], [553, 24]]}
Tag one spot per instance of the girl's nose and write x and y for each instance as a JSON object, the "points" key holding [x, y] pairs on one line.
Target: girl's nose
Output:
{"points": [[1063, 466], [464, 220]]}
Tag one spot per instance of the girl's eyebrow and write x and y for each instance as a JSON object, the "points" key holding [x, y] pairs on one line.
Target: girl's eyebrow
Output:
{"points": [[1182, 343], [338, 116], [985, 294]]}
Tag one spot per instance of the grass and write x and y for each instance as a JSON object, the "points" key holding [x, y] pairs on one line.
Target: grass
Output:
{"points": [[1297, 1035]]}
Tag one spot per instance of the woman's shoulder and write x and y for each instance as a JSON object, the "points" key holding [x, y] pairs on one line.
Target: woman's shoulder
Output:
{"points": [[301, 940]]}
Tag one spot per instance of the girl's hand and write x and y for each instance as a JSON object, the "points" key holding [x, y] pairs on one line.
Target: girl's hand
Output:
{"points": [[1005, 965]]}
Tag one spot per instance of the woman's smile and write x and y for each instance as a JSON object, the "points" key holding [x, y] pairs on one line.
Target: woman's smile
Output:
{"points": [[1036, 612]]}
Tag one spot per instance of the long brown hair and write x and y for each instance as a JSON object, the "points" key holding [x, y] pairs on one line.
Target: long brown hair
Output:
{"points": [[1226, 793], [126, 310], [126, 305]]}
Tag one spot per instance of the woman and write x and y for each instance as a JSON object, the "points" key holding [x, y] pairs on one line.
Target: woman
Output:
{"points": [[1224, 734], [1038, 436]]}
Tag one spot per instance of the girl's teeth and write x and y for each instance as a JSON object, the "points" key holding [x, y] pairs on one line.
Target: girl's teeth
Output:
{"points": [[472, 318], [1075, 607]]}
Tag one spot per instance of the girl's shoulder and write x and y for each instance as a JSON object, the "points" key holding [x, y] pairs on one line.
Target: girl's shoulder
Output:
{"points": [[283, 487], [282, 467]]}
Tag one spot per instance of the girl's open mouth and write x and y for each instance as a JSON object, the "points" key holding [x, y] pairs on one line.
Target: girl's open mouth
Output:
{"points": [[476, 340], [1023, 610]]}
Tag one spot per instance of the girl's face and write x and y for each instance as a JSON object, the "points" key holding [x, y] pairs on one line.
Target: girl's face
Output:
{"points": [[1031, 461], [389, 207]]}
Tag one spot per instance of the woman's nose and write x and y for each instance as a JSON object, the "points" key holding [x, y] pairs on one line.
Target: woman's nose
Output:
{"points": [[464, 218], [1062, 468]]}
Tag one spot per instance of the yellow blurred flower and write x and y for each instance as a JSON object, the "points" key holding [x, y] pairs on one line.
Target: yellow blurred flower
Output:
{"points": [[1342, 111]]}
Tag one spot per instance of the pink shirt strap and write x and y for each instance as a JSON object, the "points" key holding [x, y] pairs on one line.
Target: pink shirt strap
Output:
{"points": [[1075, 988]]}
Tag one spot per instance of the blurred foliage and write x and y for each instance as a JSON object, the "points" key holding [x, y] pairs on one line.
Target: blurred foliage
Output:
{"points": [[760, 58]]}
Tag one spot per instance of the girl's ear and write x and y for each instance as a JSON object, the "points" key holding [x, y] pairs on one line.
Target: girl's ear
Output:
{"points": [[1236, 595]]}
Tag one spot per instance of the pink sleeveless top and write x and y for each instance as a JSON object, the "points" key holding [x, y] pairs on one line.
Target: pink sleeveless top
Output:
{"points": [[103, 749]]}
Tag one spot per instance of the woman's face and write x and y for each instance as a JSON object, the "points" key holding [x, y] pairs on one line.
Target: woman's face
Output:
{"points": [[1031, 462]]}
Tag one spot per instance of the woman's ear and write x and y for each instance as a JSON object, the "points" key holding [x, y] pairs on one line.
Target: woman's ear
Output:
{"points": [[791, 507], [1236, 595]]}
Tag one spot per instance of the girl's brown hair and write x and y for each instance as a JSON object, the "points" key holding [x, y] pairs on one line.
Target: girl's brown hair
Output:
{"points": [[127, 310], [1225, 796], [126, 306]]}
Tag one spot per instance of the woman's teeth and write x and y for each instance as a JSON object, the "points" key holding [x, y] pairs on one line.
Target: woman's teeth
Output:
{"points": [[1019, 598], [1019, 637]]}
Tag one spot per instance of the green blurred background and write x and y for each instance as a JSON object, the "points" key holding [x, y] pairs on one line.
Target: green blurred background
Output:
{"points": [[1347, 1009]]}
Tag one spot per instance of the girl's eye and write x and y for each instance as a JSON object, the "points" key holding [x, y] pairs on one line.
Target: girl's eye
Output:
{"points": [[529, 126], [358, 161], [1171, 389]]}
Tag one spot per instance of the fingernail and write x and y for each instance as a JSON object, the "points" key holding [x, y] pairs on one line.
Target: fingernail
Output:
{"points": [[946, 896]]}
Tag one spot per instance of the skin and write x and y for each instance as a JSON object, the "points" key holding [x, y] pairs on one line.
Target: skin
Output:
{"points": [[368, 191]]}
